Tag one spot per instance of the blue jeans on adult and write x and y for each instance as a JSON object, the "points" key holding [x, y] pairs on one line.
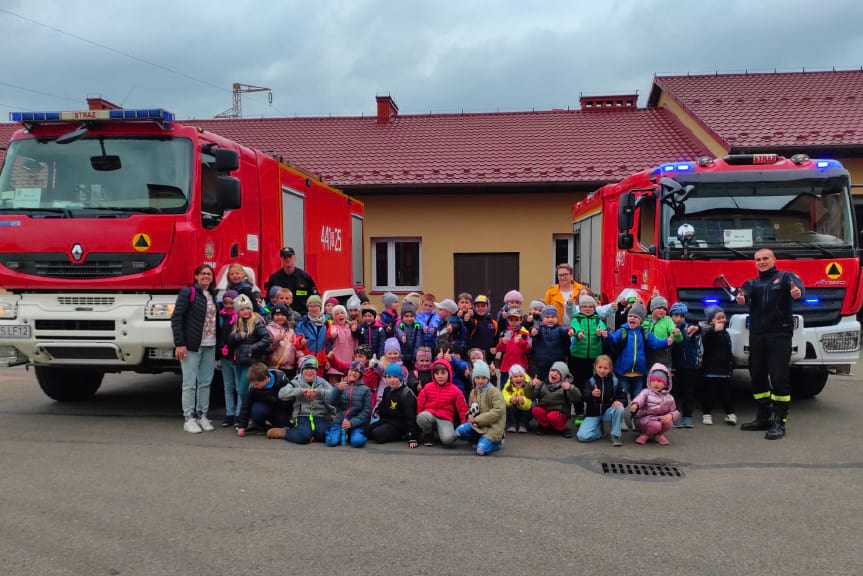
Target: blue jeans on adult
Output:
{"points": [[305, 428], [231, 381], [591, 428], [634, 384], [484, 446], [198, 368], [354, 436]]}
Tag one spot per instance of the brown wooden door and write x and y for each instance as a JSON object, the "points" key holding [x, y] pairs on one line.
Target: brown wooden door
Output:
{"points": [[492, 274]]}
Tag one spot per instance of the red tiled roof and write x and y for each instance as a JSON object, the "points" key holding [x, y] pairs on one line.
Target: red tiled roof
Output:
{"points": [[799, 109], [489, 148]]}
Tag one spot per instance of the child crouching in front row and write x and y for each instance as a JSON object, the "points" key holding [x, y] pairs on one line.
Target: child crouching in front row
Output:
{"points": [[653, 408], [605, 397], [518, 404], [487, 414]]}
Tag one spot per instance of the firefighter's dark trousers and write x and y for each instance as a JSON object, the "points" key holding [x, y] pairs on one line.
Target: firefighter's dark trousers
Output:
{"points": [[769, 357]]}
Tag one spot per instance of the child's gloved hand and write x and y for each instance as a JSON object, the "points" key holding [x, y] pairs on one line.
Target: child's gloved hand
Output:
{"points": [[374, 362]]}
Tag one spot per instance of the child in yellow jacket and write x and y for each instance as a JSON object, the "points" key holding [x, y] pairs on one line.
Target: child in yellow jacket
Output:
{"points": [[518, 403]]}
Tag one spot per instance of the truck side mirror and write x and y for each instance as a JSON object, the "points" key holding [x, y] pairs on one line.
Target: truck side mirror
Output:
{"points": [[625, 241], [227, 160], [229, 193], [626, 215]]}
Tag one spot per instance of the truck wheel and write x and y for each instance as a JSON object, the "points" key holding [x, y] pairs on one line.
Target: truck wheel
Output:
{"points": [[68, 384], [807, 382]]}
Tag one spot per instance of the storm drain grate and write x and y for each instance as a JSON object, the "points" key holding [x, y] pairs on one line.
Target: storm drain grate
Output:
{"points": [[639, 470]]}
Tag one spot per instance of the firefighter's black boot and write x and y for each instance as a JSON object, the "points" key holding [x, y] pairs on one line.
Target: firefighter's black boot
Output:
{"points": [[777, 427], [763, 419]]}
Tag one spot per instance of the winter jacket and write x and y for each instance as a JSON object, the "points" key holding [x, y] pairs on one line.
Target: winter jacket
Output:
{"points": [[187, 321], [353, 404], [662, 329], [554, 397], [314, 337], [410, 337], [445, 402], [418, 379], [342, 343], [515, 350], [591, 346], [510, 392], [244, 288], [251, 348], [399, 407], [551, 344], [282, 353], [684, 354], [770, 301], [554, 297], [632, 359], [459, 368], [654, 405], [389, 319], [718, 359], [612, 391], [224, 324], [319, 410], [481, 332], [372, 336], [491, 420], [430, 323], [269, 396]]}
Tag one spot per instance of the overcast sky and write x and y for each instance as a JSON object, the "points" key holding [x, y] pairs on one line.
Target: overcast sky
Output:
{"points": [[332, 57]]}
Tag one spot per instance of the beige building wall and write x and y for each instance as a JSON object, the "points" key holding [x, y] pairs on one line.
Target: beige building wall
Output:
{"points": [[449, 223]]}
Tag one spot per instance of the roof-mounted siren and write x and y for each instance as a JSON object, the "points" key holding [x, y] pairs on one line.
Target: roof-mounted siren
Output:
{"points": [[158, 115], [800, 159], [704, 161]]}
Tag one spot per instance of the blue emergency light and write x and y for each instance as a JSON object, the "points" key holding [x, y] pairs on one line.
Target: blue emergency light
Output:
{"points": [[710, 301], [159, 115], [675, 167], [827, 164], [812, 300]]}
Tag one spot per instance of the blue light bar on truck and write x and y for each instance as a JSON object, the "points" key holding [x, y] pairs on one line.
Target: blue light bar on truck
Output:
{"points": [[149, 114], [675, 167], [828, 164]]}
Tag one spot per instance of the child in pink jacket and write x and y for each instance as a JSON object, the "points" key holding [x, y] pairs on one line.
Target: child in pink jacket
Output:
{"points": [[653, 409]]}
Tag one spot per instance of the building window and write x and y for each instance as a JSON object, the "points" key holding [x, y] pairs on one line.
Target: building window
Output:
{"points": [[563, 253], [397, 264]]}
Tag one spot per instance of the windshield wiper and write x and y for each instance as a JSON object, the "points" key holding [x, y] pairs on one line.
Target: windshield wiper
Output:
{"points": [[136, 209], [821, 249], [64, 212]]}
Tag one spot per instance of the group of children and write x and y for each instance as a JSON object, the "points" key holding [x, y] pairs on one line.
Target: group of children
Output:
{"points": [[425, 370]]}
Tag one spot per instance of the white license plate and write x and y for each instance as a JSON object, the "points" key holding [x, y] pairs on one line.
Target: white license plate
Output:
{"points": [[15, 331]]}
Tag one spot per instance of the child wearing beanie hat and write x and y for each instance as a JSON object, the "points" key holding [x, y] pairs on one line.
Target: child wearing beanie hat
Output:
{"points": [[370, 334], [553, 399], [409, 334], [248, 343], [685, 363], [396, 415], [717, 365], [534, 314], [512, 299], [551, 342], [392, 355], [390, 314], [283, 349], [486, 416], [311, 396], [660, 325], [654, 408], [518, 403], [341, 344], [352, 401]]}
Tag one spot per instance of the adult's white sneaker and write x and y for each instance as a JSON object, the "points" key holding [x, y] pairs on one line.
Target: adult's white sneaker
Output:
{"points": [[707, 419], [731, 419], [205, 424], [191, 426]]}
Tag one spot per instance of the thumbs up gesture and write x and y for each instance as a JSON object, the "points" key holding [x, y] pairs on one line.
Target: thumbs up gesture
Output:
{"points": [[795, 291]]}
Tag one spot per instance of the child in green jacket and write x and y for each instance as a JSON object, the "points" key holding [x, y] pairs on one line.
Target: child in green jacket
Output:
{"points": [[662, 326]]}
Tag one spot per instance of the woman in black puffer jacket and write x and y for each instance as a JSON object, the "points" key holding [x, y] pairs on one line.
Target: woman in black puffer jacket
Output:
{"points": [[194, 326], [248, 342]]}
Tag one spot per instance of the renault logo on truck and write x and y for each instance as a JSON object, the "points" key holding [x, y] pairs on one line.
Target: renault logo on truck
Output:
{"points": [[77, 252]]}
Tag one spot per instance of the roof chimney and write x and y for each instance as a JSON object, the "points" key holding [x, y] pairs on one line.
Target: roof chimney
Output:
{"points": [[100, 103], [628, 101], [387, 109]]}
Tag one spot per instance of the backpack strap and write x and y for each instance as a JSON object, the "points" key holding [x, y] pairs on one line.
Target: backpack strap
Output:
{"points": [[192, 294]]}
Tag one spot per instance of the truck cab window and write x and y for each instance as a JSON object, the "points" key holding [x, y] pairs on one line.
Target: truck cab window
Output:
{"points": [[647, 224]]}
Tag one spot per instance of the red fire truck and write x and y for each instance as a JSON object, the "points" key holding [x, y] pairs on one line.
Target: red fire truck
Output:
{"points": [[104, 215], [690, 229]]}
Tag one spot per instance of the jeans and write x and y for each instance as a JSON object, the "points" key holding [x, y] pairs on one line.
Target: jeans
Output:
{"points": [[335, 434], [229, 377], [445, 429], [517, 417], [591, 428], [307, 428], [634, 384], [484, 446], [198, 368], [242, 386]]}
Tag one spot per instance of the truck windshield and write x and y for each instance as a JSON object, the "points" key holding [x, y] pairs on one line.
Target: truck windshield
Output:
{"points": [[98, 175], [731, 218]]}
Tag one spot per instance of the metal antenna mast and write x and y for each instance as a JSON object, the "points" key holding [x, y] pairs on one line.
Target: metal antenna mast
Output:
{"points": [[237, 110]]}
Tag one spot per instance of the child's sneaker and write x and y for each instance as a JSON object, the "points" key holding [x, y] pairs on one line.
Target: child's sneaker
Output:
{"points": [[566, 433], [511, 429], [522, 429], [428, 440], [677, 423], [642, 439], [228, 421], [687, 422], [616, 441], [731, 419], [661, 439], [191, 426], [205, 423], [707, 420]]}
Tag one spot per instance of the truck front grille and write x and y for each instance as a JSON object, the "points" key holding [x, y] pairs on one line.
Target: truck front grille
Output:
{"points": [[826, 312], [95, 265], [75, 325]]}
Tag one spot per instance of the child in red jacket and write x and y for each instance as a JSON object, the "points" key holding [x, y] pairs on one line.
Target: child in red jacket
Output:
{"points": [[514, 344], [439, 404]]}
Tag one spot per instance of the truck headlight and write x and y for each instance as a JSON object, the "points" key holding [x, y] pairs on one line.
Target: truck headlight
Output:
{"points": [[841, 342], [159, 311], [9, 307]]}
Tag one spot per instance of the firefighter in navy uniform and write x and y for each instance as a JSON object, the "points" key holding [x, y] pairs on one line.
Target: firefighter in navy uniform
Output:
{"points": [[296, 279], [770, 296]]}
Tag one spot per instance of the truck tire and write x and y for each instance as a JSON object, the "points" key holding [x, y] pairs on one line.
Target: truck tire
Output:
{"points": [[68, 384], [807, 382]]}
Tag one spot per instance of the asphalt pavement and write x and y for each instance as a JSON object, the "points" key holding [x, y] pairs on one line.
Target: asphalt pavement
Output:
{"points": [[114, 486]]}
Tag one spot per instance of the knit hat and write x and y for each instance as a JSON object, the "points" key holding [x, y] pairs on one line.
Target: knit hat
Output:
{"points": [[513, 295], [308, 362], [515, 312], [638, 311], [447, 305], [516, 369], [658, 374], [281, 309], [271, 293], [392, 344], [480, 368], [414, 298], [368, 308], [333, 301], [365, 350], [394, 369], [679, 308], [232, 294], [357, 366], [353, 303], [339, 308], [549, 311], [658, 302], [314, 300], [561, 368], [242, 301], [709, 312], [423, 355], [587, 300], [408, 308], [537, 304], [481, 299], [388, 299]]}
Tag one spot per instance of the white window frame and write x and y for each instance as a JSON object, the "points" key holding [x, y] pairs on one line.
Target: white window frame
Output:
{"points": [[389, 244], [570, 248]]}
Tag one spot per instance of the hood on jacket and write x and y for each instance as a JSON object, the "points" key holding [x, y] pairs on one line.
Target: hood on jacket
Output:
{"points": [[445, 363], [662, 371]]}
